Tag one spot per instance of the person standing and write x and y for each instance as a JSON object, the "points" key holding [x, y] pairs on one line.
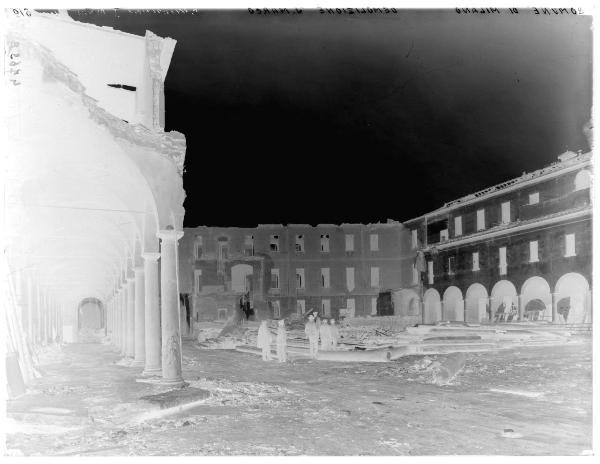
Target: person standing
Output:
{"points": [[281, 341], [335, 334], [263, 340], [310, 329], [325, 334]]}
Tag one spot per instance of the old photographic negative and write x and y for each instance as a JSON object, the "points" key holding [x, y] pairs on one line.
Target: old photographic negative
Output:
{"points": [[288, 231]]}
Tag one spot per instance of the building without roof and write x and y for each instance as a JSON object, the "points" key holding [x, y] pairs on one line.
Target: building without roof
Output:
{"points": [[515, 251], [338, 270]]}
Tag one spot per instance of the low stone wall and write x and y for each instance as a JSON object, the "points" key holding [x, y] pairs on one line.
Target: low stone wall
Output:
{"points": [[393, 323]]}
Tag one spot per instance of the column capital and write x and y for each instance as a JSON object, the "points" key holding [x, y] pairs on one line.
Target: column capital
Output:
{"points": [[169, 234], [151, 256]]}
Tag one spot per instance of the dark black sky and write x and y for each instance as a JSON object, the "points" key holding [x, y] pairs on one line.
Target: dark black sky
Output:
{"points": [[328, 119]]}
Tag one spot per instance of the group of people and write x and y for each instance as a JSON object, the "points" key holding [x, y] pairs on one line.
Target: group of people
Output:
{"points": [[325, 331], [265, 338]]}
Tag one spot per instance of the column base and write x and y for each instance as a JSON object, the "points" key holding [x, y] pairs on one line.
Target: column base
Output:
{"points": [[175, 383], [152, 372], [138, 363]]}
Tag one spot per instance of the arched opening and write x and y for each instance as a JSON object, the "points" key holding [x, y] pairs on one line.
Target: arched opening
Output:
{"points": [[433, 306], [573, 295], [453, 305], [406, 302], [536, 288], [504, 301], [533, 309], [583, 180], [476, 303], [90, 320], [413, 306], [241, 278]]}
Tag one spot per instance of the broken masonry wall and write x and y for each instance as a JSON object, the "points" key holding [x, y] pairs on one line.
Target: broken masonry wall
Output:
{"points": [[391, 257]]}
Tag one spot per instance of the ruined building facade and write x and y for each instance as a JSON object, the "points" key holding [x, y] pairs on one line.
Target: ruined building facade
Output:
{"points": [[338, 270], [518, 250]]}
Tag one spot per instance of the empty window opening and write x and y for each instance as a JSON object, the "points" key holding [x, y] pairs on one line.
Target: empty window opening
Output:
{"points": [[414, 243], [374, 238], [437, 231], [480, 219], [569, 245], [502, 258], [325, 277], [533, 252], [300, 279], [451, 265], [534, 198], [275, 278], [299, 243], [374, 277], [350, 278], [325, 243], [349, 242], [476, 261], [458, 226], [505, 212], [274, 245]]}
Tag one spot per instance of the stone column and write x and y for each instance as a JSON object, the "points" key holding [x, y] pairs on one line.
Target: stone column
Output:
{"points": [[171, 334], [45, 318], [153, 364], [521, 308], [130, 348], [554, 309], [30, 311], [123, 301], [140, 328]]}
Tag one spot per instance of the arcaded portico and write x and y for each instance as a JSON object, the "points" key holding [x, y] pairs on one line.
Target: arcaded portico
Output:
{"points": [[94, 192]]}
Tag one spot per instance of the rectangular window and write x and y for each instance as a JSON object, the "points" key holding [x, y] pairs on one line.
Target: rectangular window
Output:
{"points": [[503, 263], [325, 277], [534, 198], [374, 239], [350, 278], [374, 306], [300, 279], [325, 243], [480, 219], [198, 247], [533, 252], [505, 212], [443, 235], [457, 226], [275, 278], [569, 245], [299, 243], [349, 242], [326, 307], [274, 245], [451, 268], [249, 245], [223, 252], [198, 280], [430, 272], [415, 275], [351, 307], [374, 277], [276, 309], [476, 261], [300, 307], [414, 242]]}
